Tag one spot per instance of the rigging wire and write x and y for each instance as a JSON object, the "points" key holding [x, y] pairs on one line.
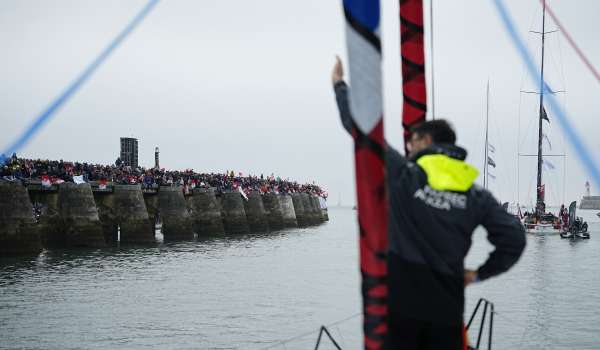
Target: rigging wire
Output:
{"points": [[569, 38], [519, 150], [44, 116], [571, 134], [564, 106], [532, 16], [313, 332], [432, 59]]}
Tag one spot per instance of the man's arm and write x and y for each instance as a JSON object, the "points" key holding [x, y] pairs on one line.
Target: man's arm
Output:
{"points": [[506, 234], [341, 94], [343, 101]]}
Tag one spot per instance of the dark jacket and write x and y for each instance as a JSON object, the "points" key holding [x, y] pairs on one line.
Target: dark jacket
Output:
{"points": [[434, 209]]}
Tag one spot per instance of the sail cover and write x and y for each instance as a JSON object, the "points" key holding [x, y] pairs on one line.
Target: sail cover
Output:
{"points": [[414, 107], [364, 57]]}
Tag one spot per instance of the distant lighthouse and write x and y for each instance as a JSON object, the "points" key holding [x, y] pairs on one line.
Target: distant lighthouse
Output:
{"points": [[587, 188], [156, 163]]}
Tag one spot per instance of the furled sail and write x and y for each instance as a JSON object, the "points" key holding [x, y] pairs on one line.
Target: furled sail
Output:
{"points": [[364, 55], [414, 107]]}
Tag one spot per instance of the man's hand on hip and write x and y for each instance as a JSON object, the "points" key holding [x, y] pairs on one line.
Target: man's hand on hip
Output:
{"points": [[470, 277]]}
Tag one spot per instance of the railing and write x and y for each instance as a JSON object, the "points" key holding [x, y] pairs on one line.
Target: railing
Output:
{"points": [[326, 332], [486, 304]]}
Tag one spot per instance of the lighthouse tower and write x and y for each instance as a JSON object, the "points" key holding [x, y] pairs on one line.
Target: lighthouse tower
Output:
{"points": [[156, 163]]}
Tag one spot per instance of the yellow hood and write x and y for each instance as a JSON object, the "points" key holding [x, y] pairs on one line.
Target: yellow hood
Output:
{"points": [[447, 174]]}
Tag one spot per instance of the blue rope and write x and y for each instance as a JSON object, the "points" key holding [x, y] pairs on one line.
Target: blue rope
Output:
{"points": [[51, 109], [571, 134]]}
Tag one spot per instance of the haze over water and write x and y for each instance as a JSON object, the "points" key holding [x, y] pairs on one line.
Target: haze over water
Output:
{"points": [[249, 292]]}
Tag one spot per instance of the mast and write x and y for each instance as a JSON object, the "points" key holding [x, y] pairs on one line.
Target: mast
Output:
{"points": [[540, 200], [487, 119], [432, 70]]}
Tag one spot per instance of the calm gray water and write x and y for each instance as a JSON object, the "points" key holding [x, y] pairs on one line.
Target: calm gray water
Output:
{"points": [[249, 292]]}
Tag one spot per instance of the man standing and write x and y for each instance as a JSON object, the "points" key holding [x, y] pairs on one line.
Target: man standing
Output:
{"points": [[434, 209]]}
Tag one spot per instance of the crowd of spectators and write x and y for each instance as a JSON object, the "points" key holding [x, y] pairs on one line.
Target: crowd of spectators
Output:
{"points": [[53, 171]]}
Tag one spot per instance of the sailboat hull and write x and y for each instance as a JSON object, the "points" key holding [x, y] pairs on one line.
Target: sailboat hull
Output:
{"points": [[542, 229]]}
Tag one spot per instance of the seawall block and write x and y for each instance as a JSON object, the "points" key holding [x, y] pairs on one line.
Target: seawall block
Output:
{"points": [[288, 212], [19, 233], [79, 216], [234, 214], [206, 213], [255, 213], [132, 214], [273, 210], [176, 220]]}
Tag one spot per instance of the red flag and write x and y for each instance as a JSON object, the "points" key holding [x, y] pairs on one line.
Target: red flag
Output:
{"points": [[46, 181]]}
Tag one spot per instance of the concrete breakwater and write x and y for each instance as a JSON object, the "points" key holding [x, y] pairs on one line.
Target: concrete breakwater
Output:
{"points": [[18, 232], [590, 202], [256, 213], [85, 215], [287, 211], [274, 211], [234, 213], [174, 214], [206, 212], [301, 214], [79, 217]]}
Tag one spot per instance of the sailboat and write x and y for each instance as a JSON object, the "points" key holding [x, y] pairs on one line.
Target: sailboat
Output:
{"points": [[488, 159], [539, 221]]}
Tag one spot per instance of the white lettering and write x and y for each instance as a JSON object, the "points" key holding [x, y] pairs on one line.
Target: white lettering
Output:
{"points": [[442, 200]]}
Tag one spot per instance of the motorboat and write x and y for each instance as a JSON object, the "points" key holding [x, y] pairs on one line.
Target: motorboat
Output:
{"points": [[575, 227]]}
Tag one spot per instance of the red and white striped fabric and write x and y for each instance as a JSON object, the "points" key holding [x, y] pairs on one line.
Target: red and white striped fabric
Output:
{"points": [[46, 181], [364, 56]]}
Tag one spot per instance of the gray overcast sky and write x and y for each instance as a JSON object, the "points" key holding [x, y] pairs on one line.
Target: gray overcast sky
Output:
{"points": [[244, 85]]}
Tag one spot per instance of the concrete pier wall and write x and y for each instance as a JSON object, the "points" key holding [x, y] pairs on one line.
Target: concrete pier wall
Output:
{"points": [[176, 220], [288, 212], [205, 212], [79, 216], [151, 201], [590, 202], [273, 210], [107, 214], [299, 210], [132, 214], [234, 214], [49, 223], [325, 214], [309, 210], [317, 209], [19, 233], [255, 213]]}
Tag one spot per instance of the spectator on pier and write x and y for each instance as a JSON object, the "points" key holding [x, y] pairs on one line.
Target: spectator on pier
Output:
{"points": [[61, 171]]}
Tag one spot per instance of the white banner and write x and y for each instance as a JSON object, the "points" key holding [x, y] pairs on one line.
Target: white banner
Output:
{"points": [[242, 193], [78, 179], [46, 181], [322, 202]]}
